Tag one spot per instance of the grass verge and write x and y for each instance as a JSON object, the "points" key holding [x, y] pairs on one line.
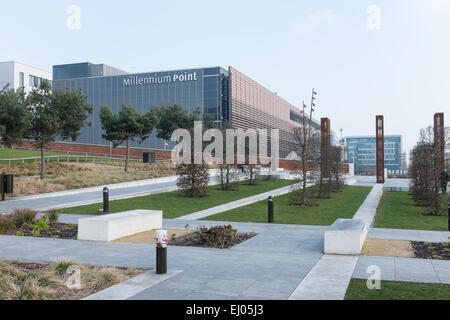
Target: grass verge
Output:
{"points": [[68, 176], [174, 204], [396, 290], [397, 210], [340, 205]]}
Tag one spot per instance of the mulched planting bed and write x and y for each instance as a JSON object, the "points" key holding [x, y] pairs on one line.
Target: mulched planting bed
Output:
{"points": [[427, 250], [219, 237], [56, 230]]}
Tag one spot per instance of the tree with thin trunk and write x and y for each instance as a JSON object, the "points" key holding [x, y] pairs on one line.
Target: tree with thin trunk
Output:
{"points": [[336, 183], [308, 147], [126, 126], [14, 121], [432, 141], [61, 112]]}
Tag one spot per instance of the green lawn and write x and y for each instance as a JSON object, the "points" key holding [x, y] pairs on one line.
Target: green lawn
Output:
{"points": [[175, 205], [397, 211], [396, 290], [6, 153], [341, 205]]}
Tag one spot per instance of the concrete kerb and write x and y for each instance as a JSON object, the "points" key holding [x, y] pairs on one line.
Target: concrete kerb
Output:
{"points": [[133, 286]]}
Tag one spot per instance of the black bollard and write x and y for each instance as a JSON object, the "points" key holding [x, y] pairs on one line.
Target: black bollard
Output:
{"points": [[105, 200], [161, 252], [448, 212], [3, 185], [270, 209]]}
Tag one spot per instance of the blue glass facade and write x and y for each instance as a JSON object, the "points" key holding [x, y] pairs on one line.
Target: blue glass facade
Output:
{"points": [[361, 151], [204, 88]]}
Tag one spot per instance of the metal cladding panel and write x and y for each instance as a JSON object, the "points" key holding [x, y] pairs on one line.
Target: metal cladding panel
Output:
{"points": [[154, 89], [255, 107]]}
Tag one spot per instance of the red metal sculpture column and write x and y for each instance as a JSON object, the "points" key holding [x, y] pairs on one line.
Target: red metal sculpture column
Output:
{"points": [[380, 149], [439, 140], [325, 138]]}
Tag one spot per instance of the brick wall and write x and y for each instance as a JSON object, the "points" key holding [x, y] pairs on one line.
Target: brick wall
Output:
{"points": [[102, 151]]}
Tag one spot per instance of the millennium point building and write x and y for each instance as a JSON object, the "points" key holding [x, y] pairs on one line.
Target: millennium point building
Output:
{"points": [[362, 150], [226, 94]]}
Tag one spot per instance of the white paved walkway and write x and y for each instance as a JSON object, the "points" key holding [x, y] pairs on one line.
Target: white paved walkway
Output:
{"points": [[328, 280], [236, 204]]}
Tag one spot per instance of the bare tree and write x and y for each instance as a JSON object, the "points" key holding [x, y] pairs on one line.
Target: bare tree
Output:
{"points": [[307, 145], [427, 167], [336, 183]]}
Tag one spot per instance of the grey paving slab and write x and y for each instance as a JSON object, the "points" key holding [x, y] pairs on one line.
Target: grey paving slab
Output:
{"points": [[397, 185], [328, 280], [133, 286], [363, 181], [411, 235], [237, 204], [246, 270], [405, 269]]}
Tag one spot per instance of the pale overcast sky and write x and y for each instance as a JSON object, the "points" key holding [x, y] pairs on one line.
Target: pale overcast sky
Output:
{"points": [[364, 58]]}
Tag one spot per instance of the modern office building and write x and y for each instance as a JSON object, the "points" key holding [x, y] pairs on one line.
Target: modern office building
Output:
{"points": [[226, 94], [362, 150], [18, 75]]}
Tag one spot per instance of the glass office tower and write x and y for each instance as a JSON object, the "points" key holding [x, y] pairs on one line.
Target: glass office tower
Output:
{"points": [[362, 150]]}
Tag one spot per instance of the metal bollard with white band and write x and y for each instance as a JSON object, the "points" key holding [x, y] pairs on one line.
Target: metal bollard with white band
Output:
{"points": [[161, 251]]}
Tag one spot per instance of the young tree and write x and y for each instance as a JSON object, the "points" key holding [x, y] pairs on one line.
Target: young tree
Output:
{"points": [[431, 179], [126, 126], [194, 178], [336, 166], [14, 121], [51, 113], [308, 147]]}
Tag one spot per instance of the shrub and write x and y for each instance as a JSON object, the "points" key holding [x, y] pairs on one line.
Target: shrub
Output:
{"points": [[62, 266], [40, 226], [16, 219], [218, 236], [53, 216], [22, 216]]}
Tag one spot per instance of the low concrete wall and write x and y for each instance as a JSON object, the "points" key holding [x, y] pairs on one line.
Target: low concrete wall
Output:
{"points": [[345, 236], [111, 227]]}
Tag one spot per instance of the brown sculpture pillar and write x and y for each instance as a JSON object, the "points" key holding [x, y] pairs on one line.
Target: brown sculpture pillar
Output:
{"points": [[380, 149], [325, 138], [439, 140]]}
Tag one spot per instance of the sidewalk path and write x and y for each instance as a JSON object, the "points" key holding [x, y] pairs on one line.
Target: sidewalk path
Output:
{"points": [[236, 204], [405, 269], [268, 266], [328, 280], [410, 235], [71, 198]]}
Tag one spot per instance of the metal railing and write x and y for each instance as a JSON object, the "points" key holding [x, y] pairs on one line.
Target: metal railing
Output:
{"points": [[66, 158]]}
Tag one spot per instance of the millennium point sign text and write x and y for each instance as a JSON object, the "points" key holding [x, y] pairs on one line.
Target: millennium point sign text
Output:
{"points": [[156, 79]]}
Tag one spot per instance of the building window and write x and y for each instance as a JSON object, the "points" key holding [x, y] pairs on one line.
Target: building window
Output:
{"points": [[21, 80], [31, 81]]}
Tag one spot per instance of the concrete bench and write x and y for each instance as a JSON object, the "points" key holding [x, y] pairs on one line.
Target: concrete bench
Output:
{"points": [[114, 226], [345, 236]]}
